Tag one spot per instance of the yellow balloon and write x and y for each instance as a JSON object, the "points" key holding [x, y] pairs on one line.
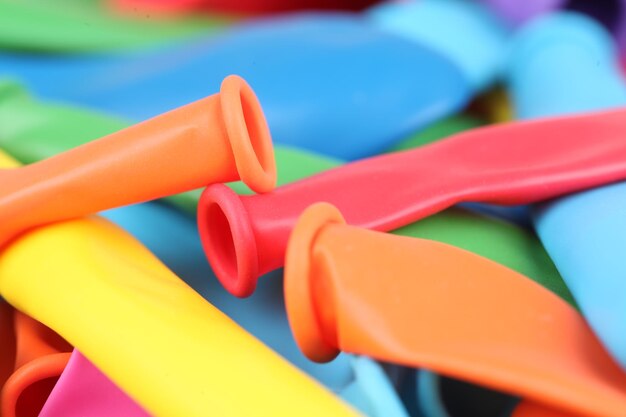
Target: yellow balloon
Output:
{"points": [[154, 336], [7, 162]]}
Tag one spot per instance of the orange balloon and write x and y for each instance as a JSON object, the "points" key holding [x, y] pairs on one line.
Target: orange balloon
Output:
{"points": [[27, 390], [34, 340], [220, 138], [39, 357], [427, 304]]}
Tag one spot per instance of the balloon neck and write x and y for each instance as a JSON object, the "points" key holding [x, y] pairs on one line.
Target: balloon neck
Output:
{"points": [[309, 296]]}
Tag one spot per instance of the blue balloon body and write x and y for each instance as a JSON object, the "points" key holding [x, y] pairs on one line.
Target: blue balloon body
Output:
{"points": [[468, 33], [173, 238], [330, 83], [566, 65]]}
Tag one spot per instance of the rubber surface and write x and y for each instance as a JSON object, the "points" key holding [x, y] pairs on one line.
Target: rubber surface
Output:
{"points": [[35, 130], [318, 94], [218, 139], [486, 168], [64, 26], [193, 371], [448, 26], [83, 391], [584, 233], [111, 258], [367, 292], [38, 356]]}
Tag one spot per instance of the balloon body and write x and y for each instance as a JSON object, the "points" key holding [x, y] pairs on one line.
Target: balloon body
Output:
{"points": [[583, 233], [246, 236], [218, 139], [361, 291], [317, 94]]}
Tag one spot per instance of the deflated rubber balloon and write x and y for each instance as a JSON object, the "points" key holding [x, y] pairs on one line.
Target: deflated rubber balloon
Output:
{"points": [[583, 233], [35, 130], [499, 241], [173, 366], [218, 139], [31, 355], [31, 130], [263, 315], [240, 6], [317, 93], [7, 161], [157, 227], [369, 293], [538, 84], [82, 26], [245, 236], [40, 356], [495, 239], [82, 390], [105, 253], [436, 131], [466, 23]]}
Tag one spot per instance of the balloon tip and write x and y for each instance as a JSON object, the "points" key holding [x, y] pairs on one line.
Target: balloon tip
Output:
{"points": [[300, 298], [228, 239], [249, 134]]}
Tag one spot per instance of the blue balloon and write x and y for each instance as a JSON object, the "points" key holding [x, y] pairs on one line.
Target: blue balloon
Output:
{"points": [[566, 64], [467, 33], [331, 83], [173, 238]]}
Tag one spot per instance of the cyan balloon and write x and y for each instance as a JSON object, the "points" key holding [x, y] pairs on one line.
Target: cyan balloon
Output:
{"points": [[332, 83], [561, 64], [564, 64]]}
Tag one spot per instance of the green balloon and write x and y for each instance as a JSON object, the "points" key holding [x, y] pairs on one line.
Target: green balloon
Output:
{"points": [[86, 26], [438, 130], [31, 130]]}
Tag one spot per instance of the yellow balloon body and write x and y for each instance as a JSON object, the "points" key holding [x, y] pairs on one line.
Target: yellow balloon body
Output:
{"points": [[156, 338], [7, 162]]}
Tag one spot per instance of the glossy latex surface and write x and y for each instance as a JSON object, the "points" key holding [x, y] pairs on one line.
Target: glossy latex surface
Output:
{"points": [[368, 292]]}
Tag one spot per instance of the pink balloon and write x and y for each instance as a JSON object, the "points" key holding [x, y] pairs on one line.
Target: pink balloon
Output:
{"points": [[84, 391]]}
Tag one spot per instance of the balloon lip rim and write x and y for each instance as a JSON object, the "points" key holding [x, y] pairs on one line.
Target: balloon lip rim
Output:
{"points": [[299, 297], [249, 134], [239, 277], [38, 369]]}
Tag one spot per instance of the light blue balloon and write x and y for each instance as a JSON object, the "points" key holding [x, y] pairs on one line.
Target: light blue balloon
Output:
{"points": [[565, 64], [173, 238], [468, 33]]}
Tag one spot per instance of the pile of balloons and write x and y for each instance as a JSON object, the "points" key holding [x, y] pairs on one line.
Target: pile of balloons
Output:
{"points": [[312, 208]]}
